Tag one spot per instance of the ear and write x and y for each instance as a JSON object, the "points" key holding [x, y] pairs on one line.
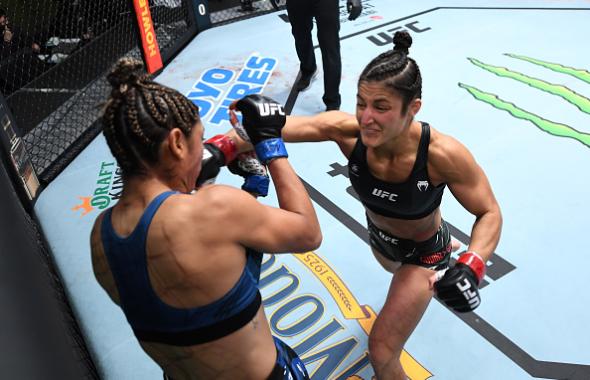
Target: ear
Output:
{"points": [[415, 106], [177, 143]]}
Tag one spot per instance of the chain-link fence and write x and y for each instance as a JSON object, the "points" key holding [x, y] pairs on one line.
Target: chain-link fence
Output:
{"points": [[228, 11], [54, 56]]}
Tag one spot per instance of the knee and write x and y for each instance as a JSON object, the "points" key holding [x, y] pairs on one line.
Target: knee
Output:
{"points": [[382, 352]]}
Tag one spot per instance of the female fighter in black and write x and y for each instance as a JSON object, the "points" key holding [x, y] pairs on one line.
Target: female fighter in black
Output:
{"points": [[399, 167]]}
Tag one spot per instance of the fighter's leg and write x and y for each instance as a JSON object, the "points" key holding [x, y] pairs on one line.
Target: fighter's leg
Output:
{"points": [[387, 264], [407, 299]]}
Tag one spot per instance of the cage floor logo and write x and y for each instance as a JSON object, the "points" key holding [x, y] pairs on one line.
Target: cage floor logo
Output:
{"points": [[554, 128], [218, 87], [109, 187], [322, 361]]}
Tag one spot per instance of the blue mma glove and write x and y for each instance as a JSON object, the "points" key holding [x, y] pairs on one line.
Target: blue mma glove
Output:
{"points": [[255, 176]]}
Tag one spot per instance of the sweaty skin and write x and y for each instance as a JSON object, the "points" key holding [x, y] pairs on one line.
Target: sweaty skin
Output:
{"points": [[392, 136], [196, 252], [392, 142]]}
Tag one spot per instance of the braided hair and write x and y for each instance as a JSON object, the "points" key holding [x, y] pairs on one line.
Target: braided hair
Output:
{"points": [[139, 114], [396, 70]]}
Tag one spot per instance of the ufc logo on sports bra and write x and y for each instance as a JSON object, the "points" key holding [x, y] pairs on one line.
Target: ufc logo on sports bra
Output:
{"points": [[267, 109], [384, 194]]}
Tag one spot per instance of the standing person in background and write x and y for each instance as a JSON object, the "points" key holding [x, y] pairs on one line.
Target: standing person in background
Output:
{"points": [[10, 37], [327, 16], [183, 265], [3, 20]]}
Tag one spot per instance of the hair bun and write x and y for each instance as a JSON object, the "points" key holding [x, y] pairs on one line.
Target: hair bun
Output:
{"points": [[126, 71], [402, 41]]}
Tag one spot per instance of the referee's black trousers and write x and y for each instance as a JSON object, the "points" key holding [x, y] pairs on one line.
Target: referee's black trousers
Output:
{"points": [[327, 15]]}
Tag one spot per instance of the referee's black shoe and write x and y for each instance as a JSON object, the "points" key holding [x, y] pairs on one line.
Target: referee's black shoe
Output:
{"points": [[305, 80]]}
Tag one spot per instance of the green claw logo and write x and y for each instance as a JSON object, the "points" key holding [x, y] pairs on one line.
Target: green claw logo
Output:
{"points": [[551, 127]]}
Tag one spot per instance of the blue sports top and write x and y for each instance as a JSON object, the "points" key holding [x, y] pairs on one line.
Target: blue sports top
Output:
{"points": [[413, 199], [151, 319]]}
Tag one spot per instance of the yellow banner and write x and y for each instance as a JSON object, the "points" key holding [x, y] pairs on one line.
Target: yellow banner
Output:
{"points": [[351, 309], [347, 304]]}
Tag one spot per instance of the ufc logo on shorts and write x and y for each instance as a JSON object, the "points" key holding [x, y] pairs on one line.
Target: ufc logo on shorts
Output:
{"points": [[267, 109], [384, 194], [472, 297], [388, 239]]}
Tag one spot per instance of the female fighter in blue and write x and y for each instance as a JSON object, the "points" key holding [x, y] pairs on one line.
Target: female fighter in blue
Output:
{"points": [[182, 264]]}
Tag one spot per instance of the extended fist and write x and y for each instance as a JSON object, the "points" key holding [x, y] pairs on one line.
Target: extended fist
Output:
{"points": [[458, 288], [262, 121], [262, 117]]}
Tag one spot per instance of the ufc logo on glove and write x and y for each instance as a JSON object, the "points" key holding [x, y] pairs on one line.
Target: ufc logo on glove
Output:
{"points": [[471, 296], [268, 109]]}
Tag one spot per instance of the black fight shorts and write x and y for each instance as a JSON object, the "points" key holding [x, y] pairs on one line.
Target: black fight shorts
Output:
{"points": [[433, 253]]}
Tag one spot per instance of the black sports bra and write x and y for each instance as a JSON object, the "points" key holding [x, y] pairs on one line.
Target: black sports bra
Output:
{"points": [[413, 199]]}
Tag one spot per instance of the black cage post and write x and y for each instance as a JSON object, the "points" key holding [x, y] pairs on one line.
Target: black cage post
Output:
{"points": [[15, 158]]}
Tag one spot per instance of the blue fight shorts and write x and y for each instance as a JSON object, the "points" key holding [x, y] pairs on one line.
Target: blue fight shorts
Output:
{"points": [[289, 366]]}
